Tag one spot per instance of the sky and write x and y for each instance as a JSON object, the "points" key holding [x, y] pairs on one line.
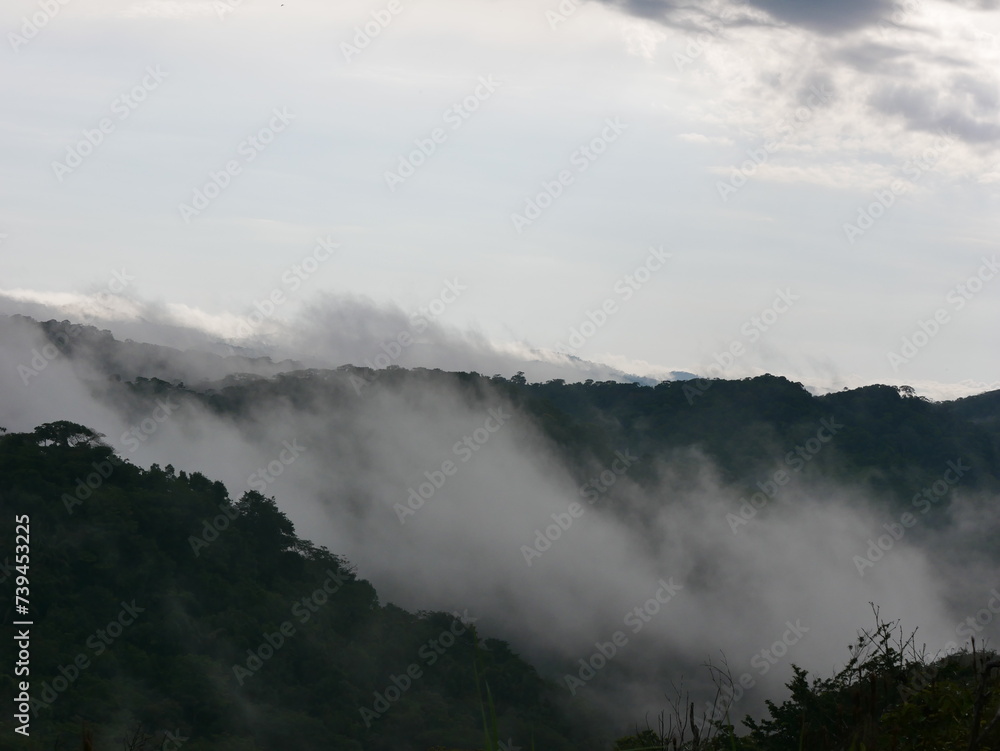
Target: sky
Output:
{"points": [[803, 188]]}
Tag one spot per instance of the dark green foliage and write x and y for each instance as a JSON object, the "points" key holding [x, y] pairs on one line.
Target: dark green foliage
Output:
{"points": [[171, 668], [885, 701], [891, 444], [205, 605], [888, 697]]}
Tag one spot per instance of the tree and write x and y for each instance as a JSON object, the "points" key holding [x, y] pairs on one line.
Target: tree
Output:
{"points": [[67, 435], [265, 522]]}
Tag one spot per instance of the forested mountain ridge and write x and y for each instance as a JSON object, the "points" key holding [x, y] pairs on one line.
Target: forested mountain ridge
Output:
{"points": [[167, 615], [889, 439], [881, 437], [224, 574], [148, 591]]}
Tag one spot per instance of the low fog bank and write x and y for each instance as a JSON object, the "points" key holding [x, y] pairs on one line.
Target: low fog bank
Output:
{"points": [[447, 497], [325, 332]]}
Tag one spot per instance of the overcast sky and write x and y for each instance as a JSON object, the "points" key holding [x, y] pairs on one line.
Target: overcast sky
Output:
{"points": [[816, 178]]}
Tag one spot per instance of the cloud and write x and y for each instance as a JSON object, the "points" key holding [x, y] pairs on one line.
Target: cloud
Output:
{"points": [[926, 64], [98, 306], [642, 39], [965, 105], [869, 56], [886, 92], [820, 16], [365, 452], [170, 9], [826, 17], [332, 330], [702, 138]]}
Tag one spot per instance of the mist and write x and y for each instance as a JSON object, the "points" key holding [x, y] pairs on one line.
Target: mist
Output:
{"points": [[444, 497]]}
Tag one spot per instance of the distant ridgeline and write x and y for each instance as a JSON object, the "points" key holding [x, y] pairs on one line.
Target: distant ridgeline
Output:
{"points": [[885, 439], [169, 614], [882, 439], [256, 640]]}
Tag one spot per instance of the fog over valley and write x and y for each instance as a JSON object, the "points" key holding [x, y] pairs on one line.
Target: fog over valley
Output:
{"points": [[458, 494], [487, 375]]}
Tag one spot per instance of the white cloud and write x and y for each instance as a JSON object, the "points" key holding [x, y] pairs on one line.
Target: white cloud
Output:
{"points": [[173, 9], [702, 138], [642, 38], [102, 306]]}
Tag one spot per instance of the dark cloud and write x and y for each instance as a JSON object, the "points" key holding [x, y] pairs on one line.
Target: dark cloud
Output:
{"points": [[967, 107], [891, 60], [816, 89], [870, 57], [825, 16], [822, 16]]}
